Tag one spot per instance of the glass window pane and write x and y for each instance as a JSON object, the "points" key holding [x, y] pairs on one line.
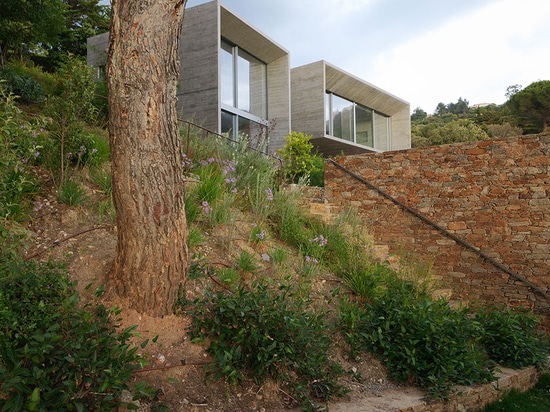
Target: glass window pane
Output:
{"points": [[244, 128], [228, 124], [327, 114], [363, 126], [381, 132], [342, 118], [252, 85], [243, 83], [227, 75]]}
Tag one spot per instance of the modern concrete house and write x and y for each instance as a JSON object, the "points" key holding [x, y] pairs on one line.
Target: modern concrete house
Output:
{"points": [[235, 80], [345, 114]]}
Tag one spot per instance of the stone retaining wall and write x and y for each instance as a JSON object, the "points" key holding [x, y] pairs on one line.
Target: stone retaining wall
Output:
{"points": [[493, 194]]}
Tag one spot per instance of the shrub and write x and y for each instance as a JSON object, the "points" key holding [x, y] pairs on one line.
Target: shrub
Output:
{"points": [[54, 353], [297, 157], [421, 340], [511, 338], [262, 334], [20, 148], [21, 84]]}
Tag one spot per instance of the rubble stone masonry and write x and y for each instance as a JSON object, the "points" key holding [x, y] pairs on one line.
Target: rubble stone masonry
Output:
{"points": [[493, 194]]}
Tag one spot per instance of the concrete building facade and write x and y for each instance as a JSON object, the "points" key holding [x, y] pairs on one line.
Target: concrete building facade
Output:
{"points": [[235, 80]]}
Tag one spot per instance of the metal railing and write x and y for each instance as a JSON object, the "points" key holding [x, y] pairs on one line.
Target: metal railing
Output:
{"points": [[445, 232], [190, 125]]}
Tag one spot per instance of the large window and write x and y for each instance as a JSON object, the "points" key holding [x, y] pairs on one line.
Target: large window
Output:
{"points": [[353, 122], [243, 92]]}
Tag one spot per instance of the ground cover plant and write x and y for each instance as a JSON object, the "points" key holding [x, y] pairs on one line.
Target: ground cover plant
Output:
{"points": [[56, 354]]}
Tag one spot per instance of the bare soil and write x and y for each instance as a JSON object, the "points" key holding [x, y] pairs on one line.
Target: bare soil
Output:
{"points": [[176, 366]]}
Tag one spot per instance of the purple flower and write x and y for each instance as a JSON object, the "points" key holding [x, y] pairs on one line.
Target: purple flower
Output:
{"points": [[269, 194], [320, 240], [311, 260], [206, 207], [261, 235]]}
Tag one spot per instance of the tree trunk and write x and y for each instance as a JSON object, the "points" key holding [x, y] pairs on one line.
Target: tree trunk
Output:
{"points": [[147, 176]]}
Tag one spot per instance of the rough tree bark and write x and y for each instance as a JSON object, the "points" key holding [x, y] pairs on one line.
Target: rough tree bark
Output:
{"points": [[147, 178]]}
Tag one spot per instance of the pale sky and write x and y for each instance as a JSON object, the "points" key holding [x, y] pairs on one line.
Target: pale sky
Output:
{"points": [[424, 51]]}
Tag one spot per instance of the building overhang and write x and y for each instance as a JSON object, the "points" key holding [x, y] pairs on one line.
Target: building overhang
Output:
{"points": [[352, 88], [333, 146], [250, 39]]}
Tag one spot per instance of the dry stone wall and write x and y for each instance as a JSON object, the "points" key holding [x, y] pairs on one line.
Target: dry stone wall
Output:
{"points": [[494, 194]]}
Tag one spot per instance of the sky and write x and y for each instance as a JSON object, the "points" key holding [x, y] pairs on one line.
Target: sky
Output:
{"points": [[424, 51]]}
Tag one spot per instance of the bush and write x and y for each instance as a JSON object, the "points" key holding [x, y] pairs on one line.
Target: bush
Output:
{"points": [[511, 338], [299, 162], [55, 354], [24, 86], [421, 340], [20, 148], [264, 334]]}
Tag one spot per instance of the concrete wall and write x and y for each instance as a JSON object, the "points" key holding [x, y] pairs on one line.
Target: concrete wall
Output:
{"points": [[493, 194], [198, 85]]}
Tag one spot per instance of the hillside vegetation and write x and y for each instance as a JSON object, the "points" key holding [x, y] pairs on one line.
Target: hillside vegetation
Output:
{"points": [[275, 297]]}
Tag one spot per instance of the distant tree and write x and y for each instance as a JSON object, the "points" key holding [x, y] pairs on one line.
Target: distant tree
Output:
{"points": [[459, 108], [84, 18], [532, 106], [461, 130], [28, 25], [418, 114], [501, 131]]}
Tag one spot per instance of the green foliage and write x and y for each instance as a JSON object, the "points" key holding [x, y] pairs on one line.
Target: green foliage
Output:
{"points": [[56, 354], [297, 157], [511, 337], [453, 131], [419, 339], [264, 333], [71, 193], [27, 25], [24, 86], [70, 111], [532, 106], [20, 149], [247, 262]]}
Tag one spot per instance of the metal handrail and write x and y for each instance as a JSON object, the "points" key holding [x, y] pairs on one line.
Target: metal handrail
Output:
{"points": [[248, 147], [450, 235]]}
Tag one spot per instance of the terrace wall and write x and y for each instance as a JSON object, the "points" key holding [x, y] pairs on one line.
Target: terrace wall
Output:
{"points": [[494, 195]]}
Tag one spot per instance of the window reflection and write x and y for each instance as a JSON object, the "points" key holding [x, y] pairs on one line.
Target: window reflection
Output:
{"points": [[353, 122], [243, 80]]}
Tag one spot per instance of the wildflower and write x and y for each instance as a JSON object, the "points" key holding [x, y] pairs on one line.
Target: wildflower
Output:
{"points": [[36, 154], [94, 150], [320, 240], [203, 163], [309, 259], [37, 206], [261, 235], [269, 194], [229, 167], [211, 160], [206, 208]]}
